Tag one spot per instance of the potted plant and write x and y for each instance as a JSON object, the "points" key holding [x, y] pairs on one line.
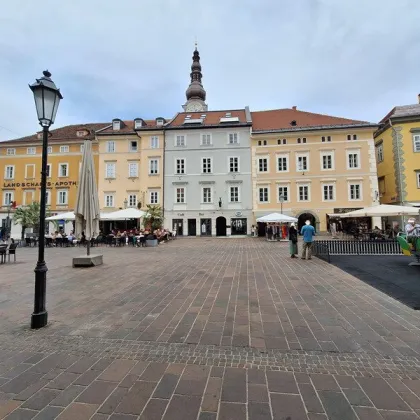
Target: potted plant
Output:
{"points": [[152, 220], [27, 217]]}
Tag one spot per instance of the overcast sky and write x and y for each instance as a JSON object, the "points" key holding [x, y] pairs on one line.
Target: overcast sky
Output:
{"points": [[131, 58]]}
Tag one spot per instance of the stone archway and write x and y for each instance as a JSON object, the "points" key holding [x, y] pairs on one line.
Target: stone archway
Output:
{"points": [[305, 215]]}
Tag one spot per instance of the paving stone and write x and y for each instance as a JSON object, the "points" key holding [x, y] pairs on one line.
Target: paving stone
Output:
{"points": [[411, 399], [49, 413], [78, 411], [336, 406], [259, 411], [288, 406], [212, 395], [154, 372], [317, 416], [117, 370], [111, 403], [63, 381], [413, 385], [31, 390], [230, 411], [100, 417], [154, 409], [257, 393], [310, 398], [82, 365], [324, 382], [123, 417], [7, 407], [367, 413], [166, 386], [68, 395], [183, 407], [256, 376], [193, 380], [87, 378], [21, 382], [207, 416], [136, 399], [97, 392], [357, 397], [41, 399], [393, 415], [283, 382], [346, 382], [22, 414], [234, 385]]}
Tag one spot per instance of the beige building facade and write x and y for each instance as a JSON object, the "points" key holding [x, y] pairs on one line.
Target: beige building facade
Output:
{"points": [[130, 170], [311, 166]]}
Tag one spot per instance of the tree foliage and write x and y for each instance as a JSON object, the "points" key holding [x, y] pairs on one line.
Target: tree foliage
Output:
{"points": [[154, 217], [27, 217]]}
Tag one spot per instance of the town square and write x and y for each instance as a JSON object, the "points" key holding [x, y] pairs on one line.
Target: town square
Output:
{"points": [[219, 223]]}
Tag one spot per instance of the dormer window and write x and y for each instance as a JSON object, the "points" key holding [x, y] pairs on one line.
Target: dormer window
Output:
{"points": [[293, 123], [138, 123], [81, 133], [116, 125], [160, 122]]}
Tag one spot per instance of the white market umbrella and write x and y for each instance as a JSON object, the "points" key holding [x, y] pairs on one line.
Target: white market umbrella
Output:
{"points": [[130, 213], [87, 203], [62, 216], [383, 210], [276, 218]]}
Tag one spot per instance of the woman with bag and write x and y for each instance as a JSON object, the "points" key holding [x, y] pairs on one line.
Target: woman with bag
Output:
{"points": [[293, 241]]}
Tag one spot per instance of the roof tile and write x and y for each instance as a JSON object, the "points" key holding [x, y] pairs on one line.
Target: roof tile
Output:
{"points": [[212, 118]]}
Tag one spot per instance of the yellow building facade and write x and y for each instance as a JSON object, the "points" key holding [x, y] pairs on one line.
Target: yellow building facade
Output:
{"points": [[311, 166], [397, 143], [130, 166], [20, 169]]}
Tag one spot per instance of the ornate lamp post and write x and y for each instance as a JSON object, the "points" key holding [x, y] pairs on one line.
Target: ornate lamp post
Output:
{"points": [[125, 206], [47, 97], [281, 200], [8, 221]]}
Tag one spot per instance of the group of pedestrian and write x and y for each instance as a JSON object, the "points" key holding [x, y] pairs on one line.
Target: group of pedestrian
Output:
{"points": [[308, 233]]}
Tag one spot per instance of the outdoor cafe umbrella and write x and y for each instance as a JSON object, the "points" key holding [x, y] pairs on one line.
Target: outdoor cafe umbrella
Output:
{"points": [[383, 210], [276, 218], [87, 203]]}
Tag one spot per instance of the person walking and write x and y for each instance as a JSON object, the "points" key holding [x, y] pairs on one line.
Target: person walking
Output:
{"points": [[293, 241], [308, 232]]}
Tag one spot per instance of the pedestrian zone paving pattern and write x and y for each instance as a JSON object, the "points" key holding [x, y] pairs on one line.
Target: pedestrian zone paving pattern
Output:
{"points": [[204, 329]]}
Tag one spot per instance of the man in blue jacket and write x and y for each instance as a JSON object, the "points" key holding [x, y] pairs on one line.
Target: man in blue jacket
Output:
{"points": [[308, 233]]}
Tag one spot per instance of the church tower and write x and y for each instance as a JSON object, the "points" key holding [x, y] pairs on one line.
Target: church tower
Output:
{"points": [[196, 95]]}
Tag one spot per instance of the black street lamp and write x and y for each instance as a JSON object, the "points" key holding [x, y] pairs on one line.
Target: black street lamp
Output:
{"points": [[47, 97], [281, 200], [8, 221]]}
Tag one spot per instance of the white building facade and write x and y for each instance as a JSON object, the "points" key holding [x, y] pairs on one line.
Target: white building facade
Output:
{"points": [[207, 178]]}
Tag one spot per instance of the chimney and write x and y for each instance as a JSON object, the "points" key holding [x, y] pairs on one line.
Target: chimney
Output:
{"points": [[294, 106]]}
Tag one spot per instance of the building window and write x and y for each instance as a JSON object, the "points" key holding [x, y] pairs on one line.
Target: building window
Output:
{"points": [[48, 197], [110, 170], [355, 192], [381, 186], [8, 198], [281, 141], [263, 165], [137, 124], [353, 160], [133, 146], [153, 167], [327, 161], [82, 148], [64, 149], [180, 141], [49, 149], [328, 192], [109, 200], [304, 140], [299, 140], [132, 200], [49, 170], [133, 170], [303, 192], [180, 195], [263, 194], [206, 139], [354, 136], [325, 138], [302, 163], [10, 151], [233, 164], [207, 195], [110, 146], [30, 171], [116, 125], [380, 152], [416, 143], [351, 136], [206, 165], [265, 142], [9, 172], [418, 179], [154, 197], [282, 163], [233, 138], [283, 192], [154, 142], [234, 194], [31, 151], [62, 197], [259, 143], [180, 166]]}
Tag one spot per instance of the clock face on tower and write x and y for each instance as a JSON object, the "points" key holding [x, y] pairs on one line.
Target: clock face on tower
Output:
{"points": [[194, 107]]}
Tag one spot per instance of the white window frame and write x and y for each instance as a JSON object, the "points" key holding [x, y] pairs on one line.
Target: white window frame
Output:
{"points": [[154, 142], [132, 200], [207, 136], [180, 140], [64, 149], [238, 189], [360, 191], [48, 197], [6, 170], [260, 158], [233, 138], [332, 155], [183, 160], [109, 200], [138, 124], [353, 152], [153, 193], [153, 169], [418, 178], [302, 155], [282, 156], [60, 165], [31, 150], [416, 143], [323, 185], [209, 200], [82, 148], [116, 125], [12, 197], [231, 164], [308, 186], [26, 170], [110, 146], [10, 151], [131, 148], [133, 173], [267, 187], [287, 187], [379, 148], [49, 149], [66, 201], [25, 192], [110, 174], [49, 170], [184, 195], [207, 161]]}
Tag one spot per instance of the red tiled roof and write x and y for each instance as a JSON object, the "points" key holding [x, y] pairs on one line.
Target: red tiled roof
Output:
{"points": [[127, 127], [280, 119], [69, 132], [212, 118]]}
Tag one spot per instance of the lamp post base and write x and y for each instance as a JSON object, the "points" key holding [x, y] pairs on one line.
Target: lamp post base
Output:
{"points": [[39, 320]]}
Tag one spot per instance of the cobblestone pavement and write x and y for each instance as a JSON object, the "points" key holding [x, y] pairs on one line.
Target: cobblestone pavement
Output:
{"points": [[205, 329]]}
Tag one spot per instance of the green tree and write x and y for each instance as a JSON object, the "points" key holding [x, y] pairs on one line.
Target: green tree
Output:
{"points": [[154, 217], [27, 217]]}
